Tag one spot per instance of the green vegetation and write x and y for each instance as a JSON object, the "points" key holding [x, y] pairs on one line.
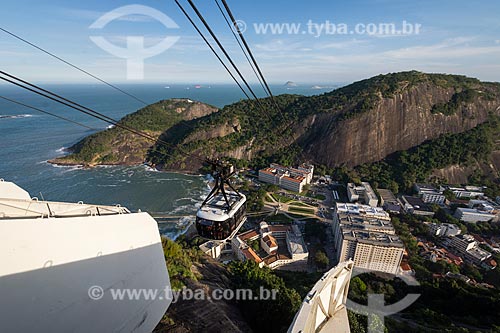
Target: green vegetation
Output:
{"points": [[299, 204], [265, 315], [321, 260], [255, 245], [179, 261], [255, 199], [280, 198], [301, 210], [242, 126], [458, 100], [279, 218], [320, 197], [248, 128], [416, 164], [300, 281], [112, 145], [432, 312], [268, 198]]}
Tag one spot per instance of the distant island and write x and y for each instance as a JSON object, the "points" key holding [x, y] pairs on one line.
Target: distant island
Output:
{"points": [[291, 84]]}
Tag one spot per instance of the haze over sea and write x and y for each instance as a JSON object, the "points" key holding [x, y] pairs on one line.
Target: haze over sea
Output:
{"points": [[29, 138]]}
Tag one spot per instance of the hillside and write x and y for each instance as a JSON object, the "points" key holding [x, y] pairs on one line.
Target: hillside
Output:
{"points": [[116, 146], [361, 123]]}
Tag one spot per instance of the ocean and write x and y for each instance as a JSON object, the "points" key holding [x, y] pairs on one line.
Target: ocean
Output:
{"points": [[28, 139]]}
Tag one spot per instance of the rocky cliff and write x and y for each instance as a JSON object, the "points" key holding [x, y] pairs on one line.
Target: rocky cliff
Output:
{"points": [[394, 123], [363, 122]]}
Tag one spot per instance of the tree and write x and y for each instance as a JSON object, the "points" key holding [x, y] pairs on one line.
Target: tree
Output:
{"points": [[255, 244], [472, 272], [321, 260], [357, 322], [273, 188], [357, 288], [273, 315]]}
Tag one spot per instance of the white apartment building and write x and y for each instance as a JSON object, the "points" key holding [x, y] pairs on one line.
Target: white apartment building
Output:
{"points": [[430, 194], [371, 250], [444, 229], [463, 243], [469, 248], [288, 178], [467, 191], [364, 193], [472, 215], [365, 234]]}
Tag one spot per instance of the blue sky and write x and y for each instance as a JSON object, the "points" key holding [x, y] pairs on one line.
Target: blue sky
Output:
{"points": [[461, 37]]}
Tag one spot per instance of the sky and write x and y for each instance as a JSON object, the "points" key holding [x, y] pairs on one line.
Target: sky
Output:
{"points": [[327, 41]]}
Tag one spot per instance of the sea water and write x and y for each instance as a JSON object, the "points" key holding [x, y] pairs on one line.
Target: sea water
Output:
{"points": [[28, 139]]}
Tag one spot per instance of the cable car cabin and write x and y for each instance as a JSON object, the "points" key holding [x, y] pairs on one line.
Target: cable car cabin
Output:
{"points": [[216, 219]]}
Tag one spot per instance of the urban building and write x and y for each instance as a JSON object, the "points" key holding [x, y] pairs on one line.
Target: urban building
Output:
{"points": [[463, 243], [280, 245], [389, 201], [469, 248], [430, 194], [415, 205], [430, 251], [477, 255], [361, 217], [444, 229], [484, 206], [467, 191], [372, 250], [363, 192], [293, 179], [473, 215], [365, 234]]}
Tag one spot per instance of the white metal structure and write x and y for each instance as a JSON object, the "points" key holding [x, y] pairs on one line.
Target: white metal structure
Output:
{"points": [[324, 308], [61, 263]]}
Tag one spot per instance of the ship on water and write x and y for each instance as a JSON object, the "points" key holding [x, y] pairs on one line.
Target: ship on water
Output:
{"points": [[61, 263]]}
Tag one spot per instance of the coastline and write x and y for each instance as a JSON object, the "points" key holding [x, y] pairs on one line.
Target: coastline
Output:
{"points": [[56, 163]]}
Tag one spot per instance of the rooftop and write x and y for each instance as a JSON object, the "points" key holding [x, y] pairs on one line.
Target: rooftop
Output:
{"points": [[417, 203], [473, 211], [296, 243], [387, 195], [365, 223], [426, 187], [373, 238], [251, 255], [479, 253], [297, 179], [270, 241], [216, 208], [247, 235], [364, 210]]}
